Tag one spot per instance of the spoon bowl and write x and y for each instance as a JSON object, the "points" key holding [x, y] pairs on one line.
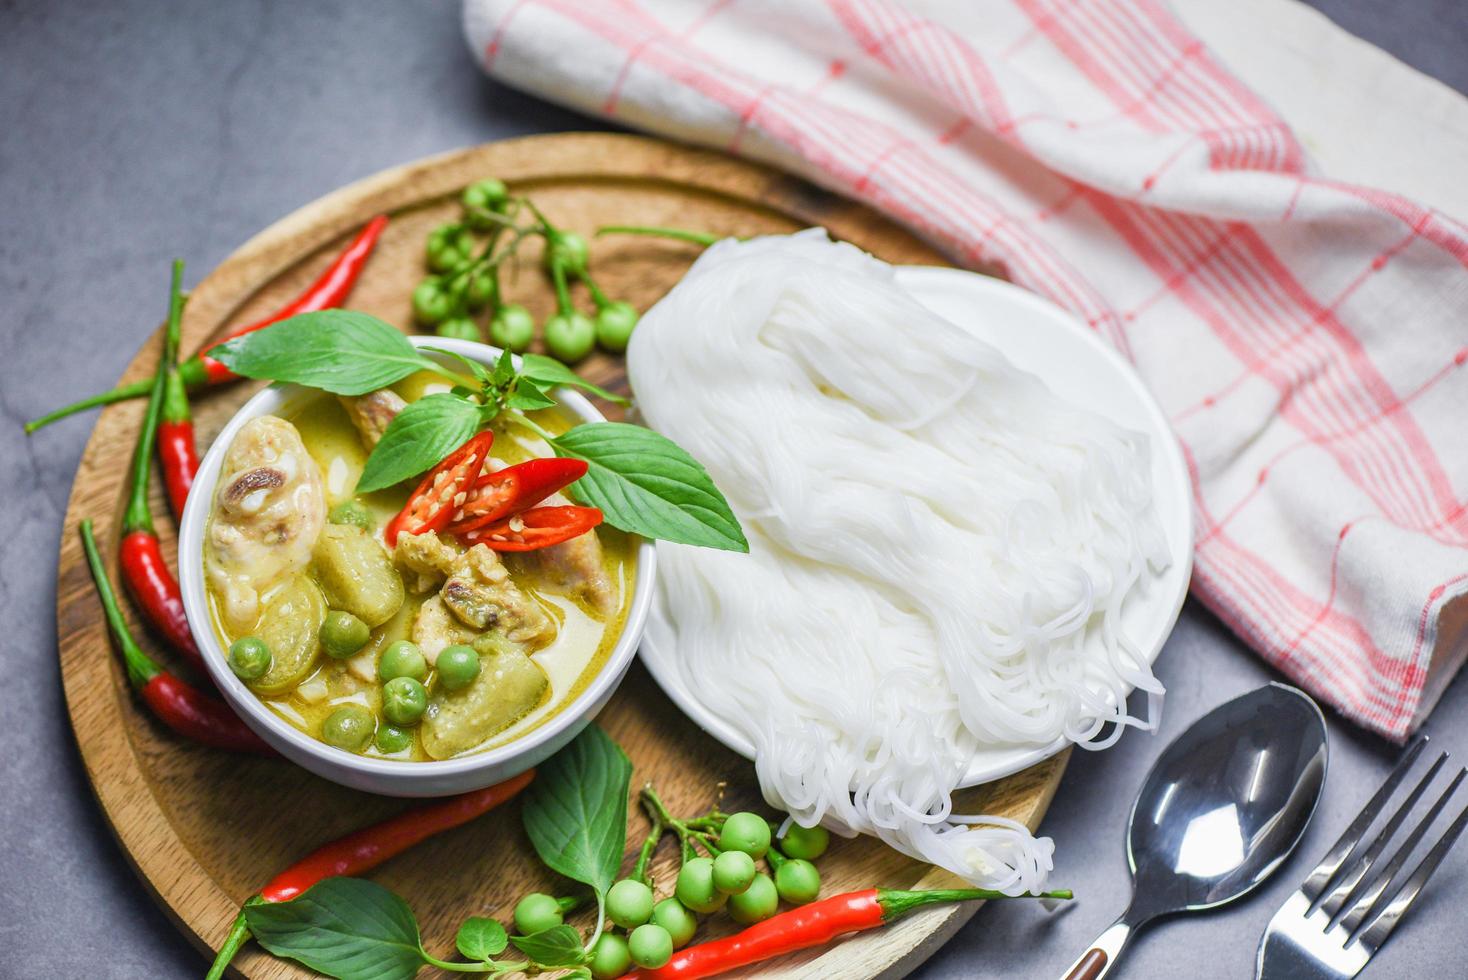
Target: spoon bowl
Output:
{"points": [[1221, 809]]}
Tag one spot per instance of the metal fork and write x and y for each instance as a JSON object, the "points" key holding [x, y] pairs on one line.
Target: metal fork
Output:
{"points": [[1343, 913]]}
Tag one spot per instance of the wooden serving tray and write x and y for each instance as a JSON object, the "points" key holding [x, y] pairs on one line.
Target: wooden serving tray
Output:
{"points": [[205, 829]]}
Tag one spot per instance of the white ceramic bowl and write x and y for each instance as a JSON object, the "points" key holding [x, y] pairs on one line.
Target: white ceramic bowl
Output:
{"points": [[386, 776], [1050, 343]]}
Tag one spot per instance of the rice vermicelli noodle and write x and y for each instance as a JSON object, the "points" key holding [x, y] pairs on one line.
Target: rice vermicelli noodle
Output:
{"points": [[940, 546]]}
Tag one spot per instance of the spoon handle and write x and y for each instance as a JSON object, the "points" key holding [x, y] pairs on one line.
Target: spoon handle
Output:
{"points": [[1096, 962]]}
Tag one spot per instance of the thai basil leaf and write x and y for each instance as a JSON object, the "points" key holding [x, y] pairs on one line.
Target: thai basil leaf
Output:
{"points": [[645, 483], [339, 351], [343, 927], [547, 372], [418, 438], [504, 369], [527, 397], [481, 939], [556, 946], [576, 811], [475, 368]]}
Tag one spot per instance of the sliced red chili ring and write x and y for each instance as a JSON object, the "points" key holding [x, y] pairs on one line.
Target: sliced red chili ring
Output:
{"points": [[432, 505], [497, 496], [539, 527]]}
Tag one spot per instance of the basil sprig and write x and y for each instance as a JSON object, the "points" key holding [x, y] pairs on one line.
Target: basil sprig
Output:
{"points": [[642, 482], [575, 814]]}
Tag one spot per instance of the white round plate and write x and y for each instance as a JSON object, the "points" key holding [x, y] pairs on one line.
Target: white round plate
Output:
{"points": [[1045, 340]]}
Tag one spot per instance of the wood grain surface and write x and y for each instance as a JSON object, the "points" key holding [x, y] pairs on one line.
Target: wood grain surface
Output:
{"points": [[204, 829]]}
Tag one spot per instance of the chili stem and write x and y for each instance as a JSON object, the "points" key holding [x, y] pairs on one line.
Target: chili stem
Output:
{"points": [[896, 904], [140, 667], [121, 393], [239, 934], [703, 238], [137, 517]]}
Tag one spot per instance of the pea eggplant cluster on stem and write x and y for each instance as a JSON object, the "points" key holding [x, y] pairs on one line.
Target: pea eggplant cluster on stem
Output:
{"points": [[465, 257]]}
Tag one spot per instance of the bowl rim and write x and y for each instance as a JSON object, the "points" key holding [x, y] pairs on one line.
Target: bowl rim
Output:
{"points": [[271, 726]]}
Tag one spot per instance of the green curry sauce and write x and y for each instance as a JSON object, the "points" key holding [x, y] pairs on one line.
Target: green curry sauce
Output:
{"points": [[583, 640]]}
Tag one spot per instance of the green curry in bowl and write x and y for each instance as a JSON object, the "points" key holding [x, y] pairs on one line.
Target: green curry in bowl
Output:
{"points": [[418, 623]]}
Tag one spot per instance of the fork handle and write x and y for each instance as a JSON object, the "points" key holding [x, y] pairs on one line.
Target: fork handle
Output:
{"points": [[1096, 962]]}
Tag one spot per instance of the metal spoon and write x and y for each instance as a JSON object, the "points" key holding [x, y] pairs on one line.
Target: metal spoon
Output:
{"points": [[1220, 810]]}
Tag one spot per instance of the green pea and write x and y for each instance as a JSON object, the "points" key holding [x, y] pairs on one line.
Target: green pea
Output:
{"points": [[805, 842], [402, 658], [650, 946], [674, 917], [352, 512], [348, 727], [512, 328], [485, 195], [733, 871], [568, 250], [629, 903], [798, 881], [695, 887], [481, 290], [403, 701], [569, 336], [458, 328], [457, 666], [343, 634], [610, 957], [745, 832], [249, 658], [756, 903], [537, 912], [431, 303], [614, 325], [391, 739]]}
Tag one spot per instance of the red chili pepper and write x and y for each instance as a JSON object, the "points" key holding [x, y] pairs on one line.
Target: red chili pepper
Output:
{"points": [[496, 496], [176, 449], [365, 849], [431, 506], [180, 458], [329, 290], [157, 593], [177, 704], [143, 568], [539, 527], [809, 925]]}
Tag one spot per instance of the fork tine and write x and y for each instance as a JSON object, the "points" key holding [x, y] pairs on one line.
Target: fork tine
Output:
{"points": [[1387, 920], [1315, 885], [1363, 899], [1357, 867]]}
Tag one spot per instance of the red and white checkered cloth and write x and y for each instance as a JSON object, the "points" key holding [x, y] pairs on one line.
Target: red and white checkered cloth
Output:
{"points": [[1307, 337]]}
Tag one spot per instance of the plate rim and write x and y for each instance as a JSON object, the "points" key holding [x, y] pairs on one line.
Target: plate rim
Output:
{"points": [[664, 672]]}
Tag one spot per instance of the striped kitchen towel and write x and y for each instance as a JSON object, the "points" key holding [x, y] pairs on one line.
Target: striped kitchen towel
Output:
{"points": [[1306, 336]]}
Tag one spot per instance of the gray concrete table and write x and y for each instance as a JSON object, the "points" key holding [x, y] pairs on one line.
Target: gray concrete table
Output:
{"points": [[134, 131]]}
